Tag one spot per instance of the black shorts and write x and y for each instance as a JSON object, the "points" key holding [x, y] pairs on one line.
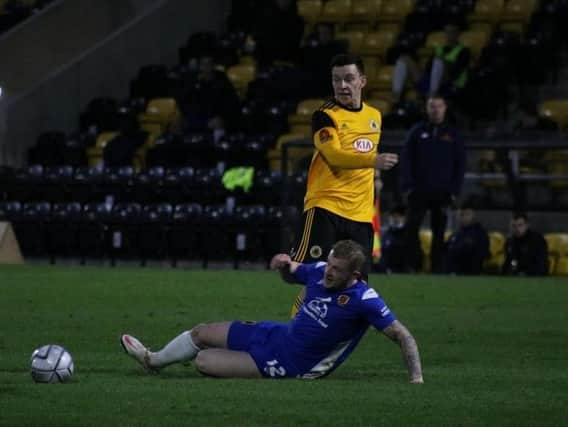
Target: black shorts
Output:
{"points": [[321, 229]]}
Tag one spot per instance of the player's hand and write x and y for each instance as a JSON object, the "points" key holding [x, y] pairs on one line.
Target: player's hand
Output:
{"points": [[386, 161], [280, 261]]}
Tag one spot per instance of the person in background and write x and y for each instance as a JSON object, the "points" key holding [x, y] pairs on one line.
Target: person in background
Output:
{"points": [[208, 102], [397, 254], [468, 246], [526, 251], [445, 74], [432, 171]]}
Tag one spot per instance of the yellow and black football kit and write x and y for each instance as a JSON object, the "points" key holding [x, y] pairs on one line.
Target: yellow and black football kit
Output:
{"points": [[340, 187]]}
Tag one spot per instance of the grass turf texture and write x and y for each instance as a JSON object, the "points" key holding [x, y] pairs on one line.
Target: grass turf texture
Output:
{"points": [[494, 350]]}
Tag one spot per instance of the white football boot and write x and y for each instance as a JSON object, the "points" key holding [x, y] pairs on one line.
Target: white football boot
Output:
{"points": [[136, 350]]}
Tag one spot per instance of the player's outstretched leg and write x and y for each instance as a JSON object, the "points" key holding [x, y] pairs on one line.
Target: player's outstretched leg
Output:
{"points": [[135, 349]]}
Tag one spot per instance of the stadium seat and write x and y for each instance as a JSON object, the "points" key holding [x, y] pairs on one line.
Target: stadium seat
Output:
{"points": [[92, 229], [383, 79], [30, 227], [383, 105], [122, 235], [365, 12], [337, 12], [160, 112], [152, 233], [425, 245], [433, 40], [62, 233], [516, 15], [247, 226], [376, 44], [475, 40], [393, 13], [557, 249], [310, 10], [296, 155], [353, 39], [304, 111], [496, 252], [487, 12], [555, 110], [240, 76], [95, 153], [184, 233]]}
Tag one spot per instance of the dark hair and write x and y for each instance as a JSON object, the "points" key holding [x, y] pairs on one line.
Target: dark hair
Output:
{"points": [[348, 59], [520, 215], [352, 252], [398, 210]]}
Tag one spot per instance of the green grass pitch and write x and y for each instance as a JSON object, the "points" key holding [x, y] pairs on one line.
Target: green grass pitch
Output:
{"points": [[494, 351]]}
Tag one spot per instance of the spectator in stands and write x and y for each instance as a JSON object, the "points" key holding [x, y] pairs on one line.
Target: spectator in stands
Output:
{"points": [[277, 32], [468, 246], [398, 253], [445, 74], [209, 101], [432, 172], [526, 251], [317, 51]]}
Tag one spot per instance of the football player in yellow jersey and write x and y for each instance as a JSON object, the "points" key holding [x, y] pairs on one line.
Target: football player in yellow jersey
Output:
{"points": [[340, 187]]}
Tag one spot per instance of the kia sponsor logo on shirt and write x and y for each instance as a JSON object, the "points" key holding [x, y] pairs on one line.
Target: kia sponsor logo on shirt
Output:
{"points": [[363, 145]]}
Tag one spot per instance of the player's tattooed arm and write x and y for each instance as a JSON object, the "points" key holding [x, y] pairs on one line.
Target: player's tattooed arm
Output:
{"points": [[397, 332], [284, 264]]}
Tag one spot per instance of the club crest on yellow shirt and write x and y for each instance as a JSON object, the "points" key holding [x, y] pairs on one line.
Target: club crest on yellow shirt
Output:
{"points": [[315, 251]]}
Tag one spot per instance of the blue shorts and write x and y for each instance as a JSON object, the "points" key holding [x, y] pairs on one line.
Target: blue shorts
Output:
{"points": [[264, 342]]}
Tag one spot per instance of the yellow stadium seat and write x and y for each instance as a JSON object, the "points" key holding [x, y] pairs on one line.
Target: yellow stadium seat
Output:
{"points": [[95, 153], [393, 13], [353, 38], [304, 111], [383, 105], [433, 40], [364, 13], [518, 10], [377, 43], [475, 40], [555, 110], [160, 114], [310, 10], [487, 11], [383, 78], [337, 12], [296, 155], [240, 76], [561, 268], [496, 251], [557, 249], [425, 244]]}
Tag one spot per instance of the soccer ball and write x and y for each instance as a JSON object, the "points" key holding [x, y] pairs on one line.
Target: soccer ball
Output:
{"points": [[51, 364]]}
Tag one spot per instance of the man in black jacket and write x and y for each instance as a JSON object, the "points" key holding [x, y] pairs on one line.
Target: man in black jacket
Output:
{"points": [[432, 172], [468, 246], [526, 251]]}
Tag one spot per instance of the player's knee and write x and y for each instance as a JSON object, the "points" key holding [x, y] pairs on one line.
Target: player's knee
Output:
{"points": [[199, 335], [203, 363]]}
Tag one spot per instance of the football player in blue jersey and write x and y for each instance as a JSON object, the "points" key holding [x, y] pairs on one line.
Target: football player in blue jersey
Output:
{"points": [[337, 310]]}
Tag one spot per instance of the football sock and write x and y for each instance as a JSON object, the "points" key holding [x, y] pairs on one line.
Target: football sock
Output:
{"points": [[180, 349]]}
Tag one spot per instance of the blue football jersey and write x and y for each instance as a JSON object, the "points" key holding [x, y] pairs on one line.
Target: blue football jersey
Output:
{"points": [[330, 324]]}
